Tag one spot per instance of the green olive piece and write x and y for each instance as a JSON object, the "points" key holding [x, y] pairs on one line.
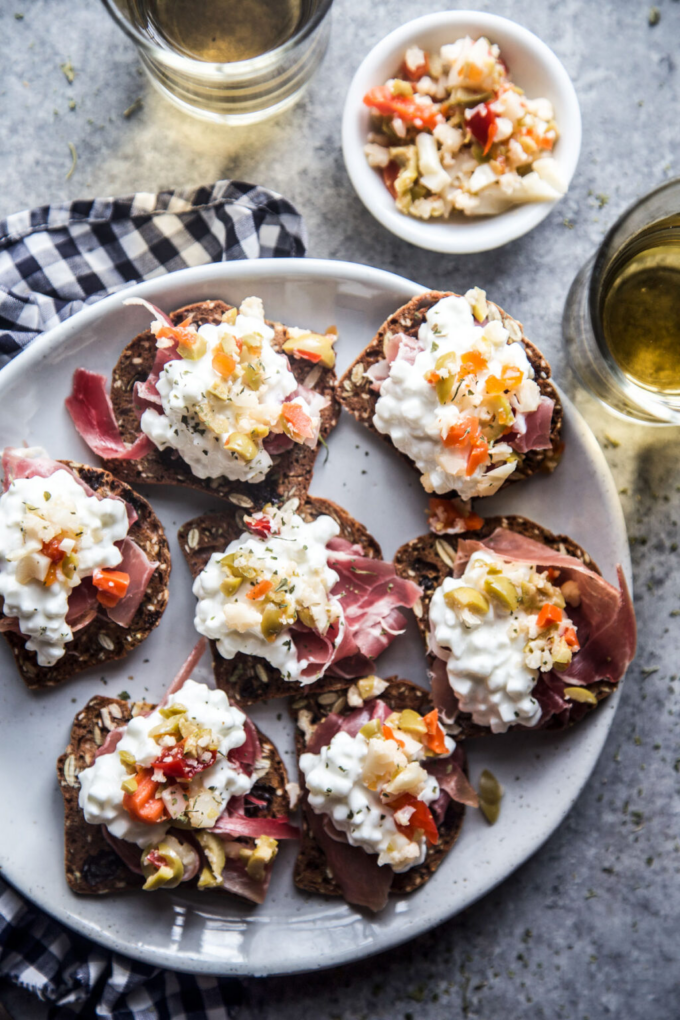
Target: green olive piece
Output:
{"points": [[169, 875], [230, 585], [252, 378], [169, 710], [69, 565], [195, 350], [490, 796], [503, 590], [213, 848], [230, 316], [168, 728], [446, 388], [446, 361], [319, 346], [467, 598], [561, 655], [306, 616], [242, 445], [371, 729], [272, 622], [238, 569]]}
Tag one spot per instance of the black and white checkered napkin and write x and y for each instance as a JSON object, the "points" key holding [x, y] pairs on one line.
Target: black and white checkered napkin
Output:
{"points": [[58, 258], [53, 261]]}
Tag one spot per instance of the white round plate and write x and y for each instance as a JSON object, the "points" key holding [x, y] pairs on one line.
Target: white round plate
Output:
{"points": [[542, 774], [533, 66]]}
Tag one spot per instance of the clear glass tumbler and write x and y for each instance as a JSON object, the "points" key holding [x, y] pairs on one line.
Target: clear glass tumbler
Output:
{"points": [[237, 91], [646, 236]]}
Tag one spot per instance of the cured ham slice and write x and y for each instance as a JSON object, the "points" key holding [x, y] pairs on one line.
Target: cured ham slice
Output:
{"points": [[136, 563], [399, 345], [241, 825], [363, 881], [537, 426], [92, 412]]}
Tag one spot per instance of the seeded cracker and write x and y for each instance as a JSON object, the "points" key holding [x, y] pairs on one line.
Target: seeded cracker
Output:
{"points": [[248, 678], [311, 869], [422, 560], [356, 396], [92, 866], [291, 474], [103, 640]]}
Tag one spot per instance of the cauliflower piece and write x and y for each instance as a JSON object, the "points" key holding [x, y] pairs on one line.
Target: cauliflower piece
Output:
{"points": [[432, 174], [377, 155], [504, 128], [383, 758], [534, 189], [414, 59], [542, 108], [411, 780], [428, 208], [240, 617], [253, 308], [548, 170], [450, 138], [482, 178]]}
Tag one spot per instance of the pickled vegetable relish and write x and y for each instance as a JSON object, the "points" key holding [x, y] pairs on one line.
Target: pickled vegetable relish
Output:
{"points": [[250, 595], [497, 628], [450, 409], [169, 766], [229, 390], [375, 789], [52, 535], [452, 134]]}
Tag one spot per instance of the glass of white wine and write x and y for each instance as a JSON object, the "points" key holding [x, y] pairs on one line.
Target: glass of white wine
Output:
{"points": [[230, 61], [622, 317]]}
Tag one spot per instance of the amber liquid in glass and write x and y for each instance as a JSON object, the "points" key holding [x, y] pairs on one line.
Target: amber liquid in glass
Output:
{"points": [[640, 307], [221, 31]]}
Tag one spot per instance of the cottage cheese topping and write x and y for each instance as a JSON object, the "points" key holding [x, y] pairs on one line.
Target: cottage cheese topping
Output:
{"points": [[207, 403], [354, 779], [39, 516], [249, 595], [101, 794], [494, 657], [449, 410]]}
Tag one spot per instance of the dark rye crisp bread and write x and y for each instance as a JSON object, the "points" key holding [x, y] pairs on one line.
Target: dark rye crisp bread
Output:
{"points": [[103, 640], [291, 473], [92, 865], [429, 559], [248, 678], [312, 872], [357, 397]]}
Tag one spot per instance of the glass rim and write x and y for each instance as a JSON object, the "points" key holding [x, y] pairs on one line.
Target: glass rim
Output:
{"points": [[603, 251], [224, 69]]}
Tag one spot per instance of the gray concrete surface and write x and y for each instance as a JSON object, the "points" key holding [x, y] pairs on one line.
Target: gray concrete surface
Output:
{"points": [[587, 929]]}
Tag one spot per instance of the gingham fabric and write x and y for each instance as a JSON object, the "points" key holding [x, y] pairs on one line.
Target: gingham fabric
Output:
{"points": [[54, 260], [58, 258], [81, 980]]}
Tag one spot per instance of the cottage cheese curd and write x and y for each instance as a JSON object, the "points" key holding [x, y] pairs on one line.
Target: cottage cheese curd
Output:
{"points": [[201, 408], [294, 559], [336, 781], [409, 411], [494, 658], [101, 795], [34, 512]]}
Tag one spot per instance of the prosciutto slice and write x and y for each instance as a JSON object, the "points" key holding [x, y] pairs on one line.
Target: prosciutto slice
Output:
{"points": [[363, 881], [91, 409], [400, 345], [452, 779], [351, 723], [369, 592], [236, 880], [241, 825], [535, 434], [136, 563], [605, 620]]}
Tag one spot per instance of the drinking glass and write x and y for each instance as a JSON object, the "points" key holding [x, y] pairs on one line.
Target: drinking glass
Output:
{"points": [[239, 91], [646, 237]]}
